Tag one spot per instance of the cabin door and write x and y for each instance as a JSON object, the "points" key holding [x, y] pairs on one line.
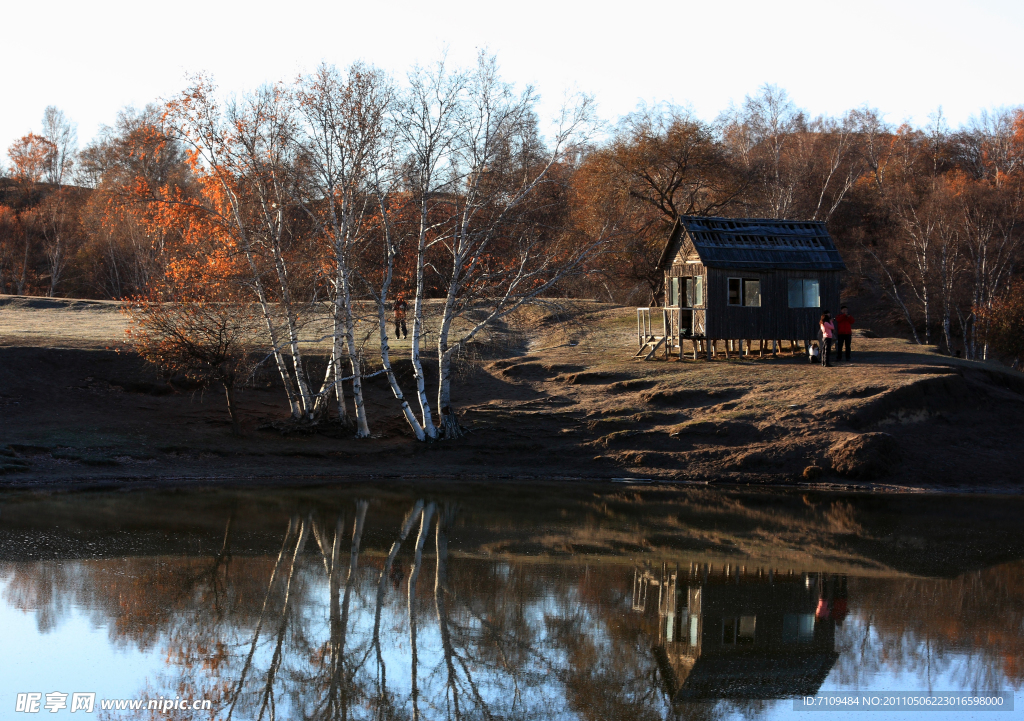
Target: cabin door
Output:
{"points": [[691, 321]]}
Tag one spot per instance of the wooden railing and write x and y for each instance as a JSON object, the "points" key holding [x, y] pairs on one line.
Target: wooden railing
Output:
{"points": [[677, 324], [643, 326]]}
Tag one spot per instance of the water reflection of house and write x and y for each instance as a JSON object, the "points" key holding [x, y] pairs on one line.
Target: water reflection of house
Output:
{"points": [[726, 633]]}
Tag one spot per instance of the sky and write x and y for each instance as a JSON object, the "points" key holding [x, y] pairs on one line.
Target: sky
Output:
{"points": [[906, 58]]}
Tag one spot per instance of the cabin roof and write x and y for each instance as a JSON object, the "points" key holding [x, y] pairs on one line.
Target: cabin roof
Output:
{"points": [[754, 677], [754, 244]]}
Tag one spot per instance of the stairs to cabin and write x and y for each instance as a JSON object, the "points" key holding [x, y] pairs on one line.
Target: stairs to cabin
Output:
{"points": [[649, 347]]}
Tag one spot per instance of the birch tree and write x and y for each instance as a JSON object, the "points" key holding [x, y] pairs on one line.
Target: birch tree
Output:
{"points": [[380, 276], [62, 135], [760, 134], [910, 198], [990, 219], [414, 571], [832, 161], [879, 149], [499, 253], [345, 131], [57, 219], [426, 120], [243, 160]]}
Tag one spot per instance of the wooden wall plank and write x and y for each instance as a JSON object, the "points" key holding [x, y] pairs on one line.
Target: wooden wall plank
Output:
{"points": [[774, 319]]}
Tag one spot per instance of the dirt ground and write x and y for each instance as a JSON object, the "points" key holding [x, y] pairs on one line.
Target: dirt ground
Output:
{"points": [[565, 401]]}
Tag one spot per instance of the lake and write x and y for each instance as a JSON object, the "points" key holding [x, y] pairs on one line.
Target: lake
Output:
{"points": [[499, 601]]}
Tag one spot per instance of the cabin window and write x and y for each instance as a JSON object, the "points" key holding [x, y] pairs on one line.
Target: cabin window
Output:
{"points": [[694, 291], [673, 291], [745, 291], [728, 631], [738, 630], [745, 629], [804, 293], [798, 627]]}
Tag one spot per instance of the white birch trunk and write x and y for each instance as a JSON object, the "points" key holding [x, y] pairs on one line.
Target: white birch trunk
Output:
{"points": [[396, 389], [282, 367], [414, 573], [426, 417], [305, 396], [385, 573], [382, 327], [354, 356], [450, 427], [441, 603], [263, 614], [275, 661]]}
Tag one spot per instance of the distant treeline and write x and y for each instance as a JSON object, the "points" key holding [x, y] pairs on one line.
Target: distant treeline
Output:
{"points": [[931, 217]]}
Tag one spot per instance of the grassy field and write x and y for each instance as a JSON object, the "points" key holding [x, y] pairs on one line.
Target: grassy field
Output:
{"points": [[553, 392], [33, 322]]}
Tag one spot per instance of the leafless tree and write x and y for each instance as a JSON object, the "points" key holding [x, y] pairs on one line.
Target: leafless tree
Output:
{"points": [[345, 130], [63, 134], [498, 252], [426, 121]]}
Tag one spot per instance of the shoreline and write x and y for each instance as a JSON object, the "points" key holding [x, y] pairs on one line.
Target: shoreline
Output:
{"points": [[87, 484]]}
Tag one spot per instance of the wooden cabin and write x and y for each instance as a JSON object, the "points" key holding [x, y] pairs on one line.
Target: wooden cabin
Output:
{"points": [[742, 280], [726, 633]]}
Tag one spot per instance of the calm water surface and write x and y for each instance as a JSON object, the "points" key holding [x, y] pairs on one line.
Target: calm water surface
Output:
{"points": [[472, 602]]}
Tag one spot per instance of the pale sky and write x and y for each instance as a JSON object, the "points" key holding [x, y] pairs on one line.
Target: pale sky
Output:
{"points": [[905, 58]]}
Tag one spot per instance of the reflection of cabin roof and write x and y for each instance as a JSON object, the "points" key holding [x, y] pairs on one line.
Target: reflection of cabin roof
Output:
{"points": [[755, 243], [745, 676]]}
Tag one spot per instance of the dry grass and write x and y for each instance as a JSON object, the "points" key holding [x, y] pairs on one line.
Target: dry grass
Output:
{"points": [[555, 386], [60, 323], [29, 321]]}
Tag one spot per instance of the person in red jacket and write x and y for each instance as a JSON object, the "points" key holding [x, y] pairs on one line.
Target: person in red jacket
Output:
{"points": [[401, 306], [844, 332]]}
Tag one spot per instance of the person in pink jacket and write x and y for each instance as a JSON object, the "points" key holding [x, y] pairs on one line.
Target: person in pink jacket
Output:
{"points": [[828, 334]]}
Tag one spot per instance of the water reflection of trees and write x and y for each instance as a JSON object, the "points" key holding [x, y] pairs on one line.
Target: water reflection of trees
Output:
{"points": [[415, 633], [970, 629]]}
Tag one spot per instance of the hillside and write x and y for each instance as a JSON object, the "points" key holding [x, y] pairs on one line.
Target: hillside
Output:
{"points": [[566, 402]]}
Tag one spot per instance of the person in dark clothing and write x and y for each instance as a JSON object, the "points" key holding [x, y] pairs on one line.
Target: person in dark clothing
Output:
{"points": [[844, 332], [400, 309], [828, 331]]}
